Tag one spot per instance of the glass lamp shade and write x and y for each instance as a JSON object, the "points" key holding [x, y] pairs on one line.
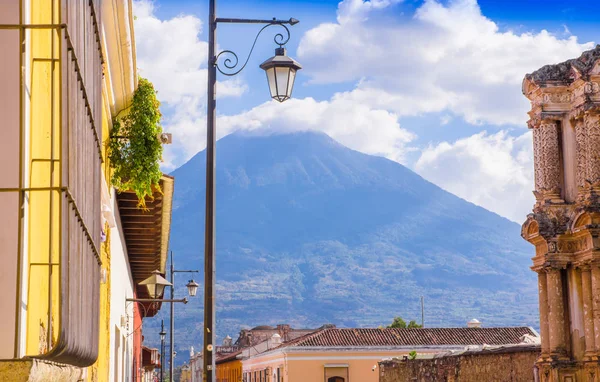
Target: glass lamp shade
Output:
{"points": [[156, 284], [281, 74], [192, 287]]}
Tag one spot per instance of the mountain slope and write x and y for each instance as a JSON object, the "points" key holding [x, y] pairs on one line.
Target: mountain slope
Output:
{"points": [[309, 231]]}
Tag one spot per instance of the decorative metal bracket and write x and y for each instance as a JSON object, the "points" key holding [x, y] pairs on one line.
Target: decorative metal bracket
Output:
{"points": [[230, 63]]}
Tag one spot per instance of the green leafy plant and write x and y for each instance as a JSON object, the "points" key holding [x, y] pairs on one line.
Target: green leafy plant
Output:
{"points": [[400, 323], [135, 150], [412, 355]]}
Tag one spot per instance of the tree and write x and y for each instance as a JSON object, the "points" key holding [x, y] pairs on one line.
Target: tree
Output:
{"points": [[400, 323]]}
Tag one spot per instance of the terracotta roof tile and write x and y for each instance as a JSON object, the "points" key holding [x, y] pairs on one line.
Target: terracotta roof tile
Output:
{"points": [[226, 357], [342, 337]]}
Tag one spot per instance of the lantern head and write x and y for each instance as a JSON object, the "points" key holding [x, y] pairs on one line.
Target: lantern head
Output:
{"points": [[281, 74], [156, 284]]}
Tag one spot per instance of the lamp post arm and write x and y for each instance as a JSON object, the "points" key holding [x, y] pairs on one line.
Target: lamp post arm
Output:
{"points": [[291, 21], [184, 300], [231, 63], [176, 271]]}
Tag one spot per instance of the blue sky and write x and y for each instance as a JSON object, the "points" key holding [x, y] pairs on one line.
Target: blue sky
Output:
{"points": [[434, 85]]}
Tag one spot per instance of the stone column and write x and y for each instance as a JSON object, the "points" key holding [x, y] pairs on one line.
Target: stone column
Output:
{"points": [[596, 304], [556, 313], [546, 154], [592, 126], [588, 314], [543, 298]]}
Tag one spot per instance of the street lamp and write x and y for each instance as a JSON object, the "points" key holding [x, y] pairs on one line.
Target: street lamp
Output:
{"points": [[192, 287], [156, 284], [281, 74], [162, 334]]}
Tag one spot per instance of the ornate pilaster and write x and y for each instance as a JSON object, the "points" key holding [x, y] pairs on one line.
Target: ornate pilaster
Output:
{"points": [[543, 300], [588, 314], [546, 153], [556, 314], [592, 126], [581, 147], [596, 304]]}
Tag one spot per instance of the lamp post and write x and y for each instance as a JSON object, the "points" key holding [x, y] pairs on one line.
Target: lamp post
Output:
{"points": [[162, 334], [192, 287], [156, 285], [281, 74]]}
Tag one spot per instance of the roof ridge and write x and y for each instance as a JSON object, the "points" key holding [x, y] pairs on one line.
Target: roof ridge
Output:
{"points": [[350, 337], [300, 339]]}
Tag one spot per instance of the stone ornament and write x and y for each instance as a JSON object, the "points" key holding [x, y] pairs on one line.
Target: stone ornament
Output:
{"points": [[581, 147], [557, 97], [592, 126], [591, 88]]}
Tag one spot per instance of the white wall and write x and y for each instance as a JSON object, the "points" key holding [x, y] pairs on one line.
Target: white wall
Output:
{"points": [[121, 288]]}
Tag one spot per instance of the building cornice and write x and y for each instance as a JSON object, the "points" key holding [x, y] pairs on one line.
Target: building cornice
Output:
{"points": [[119, 50]]}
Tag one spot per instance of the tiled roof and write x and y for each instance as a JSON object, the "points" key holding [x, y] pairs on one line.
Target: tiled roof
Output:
{"points": [[252, 337], [222, 358], [341, 337]]}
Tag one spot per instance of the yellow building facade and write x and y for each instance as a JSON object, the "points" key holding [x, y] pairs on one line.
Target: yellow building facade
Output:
{"points": [[64, 74], [228, 369]]}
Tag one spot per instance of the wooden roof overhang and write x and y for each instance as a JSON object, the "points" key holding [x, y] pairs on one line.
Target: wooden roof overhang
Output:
{"points": [[146, 233]]}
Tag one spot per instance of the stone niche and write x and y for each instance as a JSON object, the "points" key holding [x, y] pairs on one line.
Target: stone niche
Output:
{"points": [[564, 225]]}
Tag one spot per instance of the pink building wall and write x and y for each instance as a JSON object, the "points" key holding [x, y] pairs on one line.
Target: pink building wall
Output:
{"points": [[9, 176]]}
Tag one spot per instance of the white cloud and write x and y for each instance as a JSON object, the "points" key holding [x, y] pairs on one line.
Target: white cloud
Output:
{"points": [[493, 171], [171, 55], [445, 119], [446, 57], [372, 131]]}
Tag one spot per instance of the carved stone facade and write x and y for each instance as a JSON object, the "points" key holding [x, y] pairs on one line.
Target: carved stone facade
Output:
{"points": [[564, 226], [547, 158]]}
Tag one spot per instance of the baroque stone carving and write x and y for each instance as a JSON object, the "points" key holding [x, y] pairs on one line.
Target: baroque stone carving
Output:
{"points": [[581, 147], [572, 246], [593, 148], [591, 88], [537, 158], [546, 157], [557, 97]]}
